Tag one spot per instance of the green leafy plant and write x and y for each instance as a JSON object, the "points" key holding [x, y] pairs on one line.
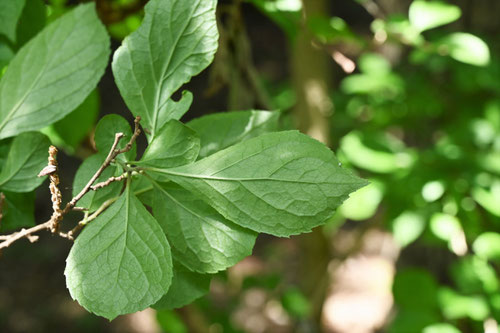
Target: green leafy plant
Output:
{"points": [[211, 185]]}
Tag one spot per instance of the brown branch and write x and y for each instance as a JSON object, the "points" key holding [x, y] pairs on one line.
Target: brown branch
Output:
{"points": [[108, 181], [70, 235], [51, 170]]}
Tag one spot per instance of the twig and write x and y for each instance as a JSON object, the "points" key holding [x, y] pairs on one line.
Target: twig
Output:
{"points": [[56, 197], [107, 182], [51, 170], [87, 219]]}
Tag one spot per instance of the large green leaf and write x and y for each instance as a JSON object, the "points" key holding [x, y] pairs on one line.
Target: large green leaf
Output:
{"points": [[425, 15], [27, 157], [54, 72], [175, 145], [281, 183], [10, 11], [121, 262], [221, 130], [201, 238], [177, 40], [94, 199], [186, 287], [18, 211]]}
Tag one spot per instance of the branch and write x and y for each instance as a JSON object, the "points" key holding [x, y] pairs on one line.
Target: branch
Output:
{"points": [[51, 169], [107, 182]]}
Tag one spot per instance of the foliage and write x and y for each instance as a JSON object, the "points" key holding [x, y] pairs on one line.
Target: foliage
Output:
{"points": [[213, 190], [420, 119]]}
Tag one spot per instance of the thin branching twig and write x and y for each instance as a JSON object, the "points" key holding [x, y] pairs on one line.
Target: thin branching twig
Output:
{"points": [[57, 215]]}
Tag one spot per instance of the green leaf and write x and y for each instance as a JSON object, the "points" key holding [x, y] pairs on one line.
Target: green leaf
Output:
{"points": [[415, 289], [221, 130], [121, 262], [27, 157], [10, 10], [441, 328], [466, 48], [31, 22], [64, 134], [94, 199], [186, 287], [105, 133], [407, 227], [54, 72], [175, 109], [281, 183], [18, 211], [201, 239], [175, 145], [455, 306], [6, 54], [176, 41], [487, 246], [425, 15]]}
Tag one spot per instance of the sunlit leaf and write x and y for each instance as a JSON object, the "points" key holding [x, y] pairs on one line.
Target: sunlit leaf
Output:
{"points": [[465, 47], [425, 15]]}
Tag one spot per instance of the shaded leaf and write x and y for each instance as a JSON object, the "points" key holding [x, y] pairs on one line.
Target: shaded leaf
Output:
{"points": [[31, 22], [94, 199], [105, 132], [10, 11], [121, 262], [176, 41], [221, 130], [186, 287], [175, 145], [27, 156], [18, 211], [201, 238], [64, 134], [54, 72]]}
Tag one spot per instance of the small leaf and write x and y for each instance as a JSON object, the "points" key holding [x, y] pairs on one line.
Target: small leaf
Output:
{"points": [[94, 199], [282, 183], [175, 145], [27, 156], [221, 130], [10, 11], [176, 41], [201, 238], [18, 211], [487, 246], [466, 48], [425, 15], [121, 262], [186, 287], [54, 72], [105, 133]]}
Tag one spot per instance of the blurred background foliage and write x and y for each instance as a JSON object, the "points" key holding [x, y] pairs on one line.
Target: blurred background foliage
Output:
{"points": [[407, 93]]}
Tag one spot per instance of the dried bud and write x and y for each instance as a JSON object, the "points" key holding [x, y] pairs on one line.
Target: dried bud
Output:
{"points": [[49, 169]]}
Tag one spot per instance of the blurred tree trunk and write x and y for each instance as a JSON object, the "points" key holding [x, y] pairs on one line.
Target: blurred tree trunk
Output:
{"points": [[311, 78]]}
